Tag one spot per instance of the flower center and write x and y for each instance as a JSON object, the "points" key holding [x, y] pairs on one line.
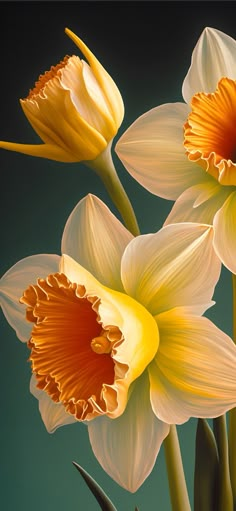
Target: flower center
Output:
{"points": [[210, 132], [71, 350], [44, 78]]}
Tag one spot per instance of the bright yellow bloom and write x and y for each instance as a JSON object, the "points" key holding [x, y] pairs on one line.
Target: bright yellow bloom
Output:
{"points": [[187, 152], [116, 336], [75, 108]]}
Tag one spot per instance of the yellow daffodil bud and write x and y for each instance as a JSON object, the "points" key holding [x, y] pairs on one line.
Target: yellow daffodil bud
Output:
{"points": [[75, 108]]}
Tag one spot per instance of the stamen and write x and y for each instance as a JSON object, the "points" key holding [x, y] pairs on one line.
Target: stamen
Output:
{"points": [[101, 344]]}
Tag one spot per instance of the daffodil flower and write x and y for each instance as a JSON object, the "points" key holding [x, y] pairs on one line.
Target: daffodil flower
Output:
{"points": [[187, 151], [116, 335], [75, 108]]}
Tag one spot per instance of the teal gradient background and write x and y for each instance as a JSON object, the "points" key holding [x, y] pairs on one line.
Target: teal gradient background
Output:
{"points": [[146, 47]]}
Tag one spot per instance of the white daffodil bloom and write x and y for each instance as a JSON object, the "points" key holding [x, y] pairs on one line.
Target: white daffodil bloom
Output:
{"points": [[117, 338], [75, 108], [187, 151]]}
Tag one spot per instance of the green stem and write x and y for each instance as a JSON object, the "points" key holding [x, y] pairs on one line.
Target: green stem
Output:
{"points": [[225, 490], [104, 167], [232, 413], [175, 471]]}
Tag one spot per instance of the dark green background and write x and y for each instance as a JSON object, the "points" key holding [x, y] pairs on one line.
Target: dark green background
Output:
{"points": [[146, 47]]}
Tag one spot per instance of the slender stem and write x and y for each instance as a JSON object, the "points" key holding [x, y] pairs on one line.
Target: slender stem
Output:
{"points": [[175, 471], [232, 413], [225, 490], [104, 167]]}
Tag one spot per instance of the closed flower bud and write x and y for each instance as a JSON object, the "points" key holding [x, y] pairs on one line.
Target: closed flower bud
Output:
{"points": [[75, 108]]}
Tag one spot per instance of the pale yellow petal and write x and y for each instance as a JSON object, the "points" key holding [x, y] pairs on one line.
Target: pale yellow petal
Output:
{"points": [[214, 56], [175, 267], [127, 447], [108, 86], [225, 233], [193, 374], [78, 78], [14, 282], [138, 327], [53, 414], [199, 203], [152, 151], [96, 239]]}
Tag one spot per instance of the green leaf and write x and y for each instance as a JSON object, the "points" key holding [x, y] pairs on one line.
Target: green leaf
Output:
{"points": [[206, 469], [103, 500]]}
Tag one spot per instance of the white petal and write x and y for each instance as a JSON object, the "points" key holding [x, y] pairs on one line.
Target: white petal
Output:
{"points": [[153, 153], [96, 239], [214, 56], [193, 373], [53, 414], [225, 233], [175, 267], [16, 280], [199, 203], [127, 447]]}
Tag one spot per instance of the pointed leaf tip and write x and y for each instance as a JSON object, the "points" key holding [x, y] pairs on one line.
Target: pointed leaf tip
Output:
{"points": [[206, 469], [101, 497]]}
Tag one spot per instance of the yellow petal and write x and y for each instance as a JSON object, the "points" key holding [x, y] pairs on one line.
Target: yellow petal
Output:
{"points": [[52, 152], [55, 114], [138, 327]]}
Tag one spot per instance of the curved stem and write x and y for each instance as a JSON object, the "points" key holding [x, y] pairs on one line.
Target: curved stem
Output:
{"points": [[104, 167], [232, 413], [176, 477], [225, 490]]}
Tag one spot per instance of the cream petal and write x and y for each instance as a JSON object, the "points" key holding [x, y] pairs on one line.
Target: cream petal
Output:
{"points": [[153, 153], [214, 56], [96, 239], [127, 447], [225, 233], [175, 267], [53, 414], [16, 280], [137, 325], [193, 373], [199, 203], [106, 124]]}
